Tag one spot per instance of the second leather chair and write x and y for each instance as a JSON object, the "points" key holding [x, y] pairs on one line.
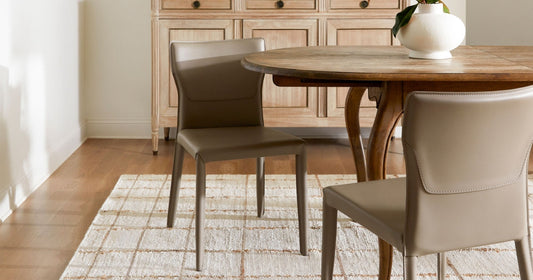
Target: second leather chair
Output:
{"points": [[466, 158]]}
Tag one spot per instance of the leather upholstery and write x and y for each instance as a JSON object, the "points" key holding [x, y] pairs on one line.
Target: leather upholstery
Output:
{"points": [[378, 205], [220, 98], [220, 118], [486, 126], [466, 184], [466, 160], [215, 90], [213, 144]]}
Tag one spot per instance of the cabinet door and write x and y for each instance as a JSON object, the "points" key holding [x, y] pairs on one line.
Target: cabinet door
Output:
{"points": [[286, 106], [182, 30], [363, 32]]}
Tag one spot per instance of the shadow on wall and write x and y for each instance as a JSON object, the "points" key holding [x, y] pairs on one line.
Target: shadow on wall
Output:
{"points": [[14, 144], [16, 117], [41, 53], [5, 171]]}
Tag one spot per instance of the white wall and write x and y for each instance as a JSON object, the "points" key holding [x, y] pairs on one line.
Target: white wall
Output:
{"points": [[118, 68], [492, 22], [457, 7], [41, 121]]}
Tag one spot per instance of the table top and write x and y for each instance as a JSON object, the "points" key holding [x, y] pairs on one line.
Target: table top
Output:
{"points": [[356, 63]]}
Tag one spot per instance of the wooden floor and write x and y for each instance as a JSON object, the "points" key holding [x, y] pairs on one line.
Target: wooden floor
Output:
{"points": [[38, 239]]}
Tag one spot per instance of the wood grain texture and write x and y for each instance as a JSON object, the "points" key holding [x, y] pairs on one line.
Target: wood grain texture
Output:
{"points": [[392, 64], [285, 34], [204, 4], [39, 238], [390, 109], [356, 32], [470, 69], [165, 102], [353, 99], [287, 5], [385, 259], [373, 4], [297, 23]]}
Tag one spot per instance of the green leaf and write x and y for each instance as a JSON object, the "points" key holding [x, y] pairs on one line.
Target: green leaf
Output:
{"points": [[446, 9], [402, 18]]}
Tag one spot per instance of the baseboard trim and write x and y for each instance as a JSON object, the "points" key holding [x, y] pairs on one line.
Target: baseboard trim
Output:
{"points": [[141, 129], [329, 132], [22, 187], [316, 132], [131, 129]]}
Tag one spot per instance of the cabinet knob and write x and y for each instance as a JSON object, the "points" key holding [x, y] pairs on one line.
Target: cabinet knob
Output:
{"points": [[196, 4], [280, 4], [363, 4]]}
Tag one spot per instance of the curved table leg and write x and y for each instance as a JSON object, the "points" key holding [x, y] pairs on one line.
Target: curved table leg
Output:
{"points": [[351, 117], [389, 112]]}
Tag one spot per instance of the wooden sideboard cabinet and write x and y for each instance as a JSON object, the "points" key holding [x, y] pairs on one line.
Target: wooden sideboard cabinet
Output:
{"points": [[283, 24]]}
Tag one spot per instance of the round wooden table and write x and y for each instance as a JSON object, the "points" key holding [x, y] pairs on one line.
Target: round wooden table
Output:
{"points": [[390, 75]]}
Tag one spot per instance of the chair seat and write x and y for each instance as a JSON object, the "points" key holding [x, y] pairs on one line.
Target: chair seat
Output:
{"points": [[377, 205], [225, 143]]}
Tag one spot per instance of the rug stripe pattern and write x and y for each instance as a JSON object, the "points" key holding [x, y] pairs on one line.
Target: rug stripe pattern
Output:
{"points": [[128, 238]]}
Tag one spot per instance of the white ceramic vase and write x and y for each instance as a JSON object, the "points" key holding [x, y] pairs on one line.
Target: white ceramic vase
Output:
{"points": [[431, 33]]}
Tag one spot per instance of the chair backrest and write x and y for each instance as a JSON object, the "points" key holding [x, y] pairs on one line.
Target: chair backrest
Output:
{"points": [[466, 161], [215, 90]]}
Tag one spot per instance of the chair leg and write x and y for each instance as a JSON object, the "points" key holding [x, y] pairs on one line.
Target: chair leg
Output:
{"points": [[175, 184], [329, 240], [200, 210], [441, 262], [523, 253], [301, 194], [260, 174], [409, 268]]}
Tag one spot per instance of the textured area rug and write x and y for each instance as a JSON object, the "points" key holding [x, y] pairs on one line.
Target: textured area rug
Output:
{"points": [[129, 239]]}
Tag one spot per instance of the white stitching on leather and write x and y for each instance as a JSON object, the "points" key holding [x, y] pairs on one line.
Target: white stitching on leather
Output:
{"points": [[467, 188]]}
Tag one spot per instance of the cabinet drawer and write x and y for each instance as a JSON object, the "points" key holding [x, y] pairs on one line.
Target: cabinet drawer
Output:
{"points": [[280, 4], [196, 4], [364, 4]]}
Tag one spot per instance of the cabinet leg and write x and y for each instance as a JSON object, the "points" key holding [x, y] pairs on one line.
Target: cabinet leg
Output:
{"points": [[155, 143]]}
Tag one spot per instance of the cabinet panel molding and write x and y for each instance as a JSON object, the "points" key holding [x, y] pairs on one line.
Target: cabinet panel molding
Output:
{"points": [[283, 24], [165, 94], [278, 5], [196, 4], [285, 101], [365, 4], [369, 32]]}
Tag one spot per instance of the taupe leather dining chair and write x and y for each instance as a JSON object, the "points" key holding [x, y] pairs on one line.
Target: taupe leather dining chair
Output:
{"points": [[466, 160], [220, 118]]}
